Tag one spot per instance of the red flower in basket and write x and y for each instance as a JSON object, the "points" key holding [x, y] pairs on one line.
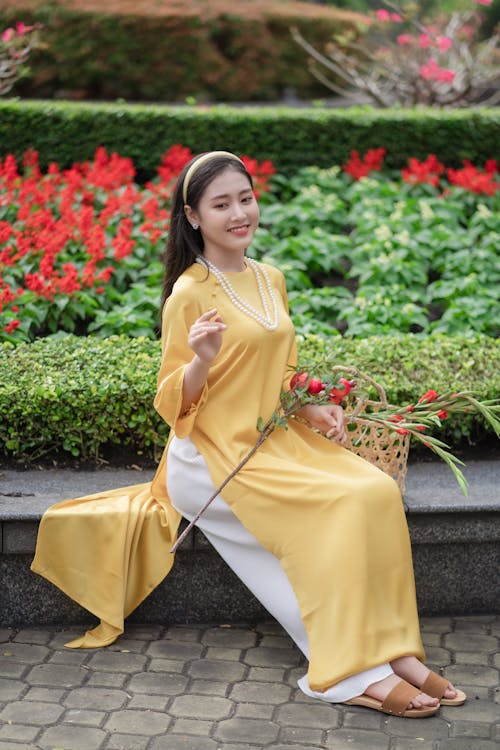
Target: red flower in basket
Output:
{"points": [[338, 394]]}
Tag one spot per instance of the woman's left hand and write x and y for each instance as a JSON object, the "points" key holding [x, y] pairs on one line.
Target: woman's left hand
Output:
{"points": [[328, 419]]}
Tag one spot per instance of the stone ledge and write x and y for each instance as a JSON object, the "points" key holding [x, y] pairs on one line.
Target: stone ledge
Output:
{"points": [[454, 540]]}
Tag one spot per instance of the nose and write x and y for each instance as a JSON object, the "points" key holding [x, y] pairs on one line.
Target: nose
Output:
{"points": [[237, 210]]}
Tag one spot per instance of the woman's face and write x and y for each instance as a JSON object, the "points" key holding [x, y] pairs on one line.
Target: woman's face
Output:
{"points": [[227, 214]]}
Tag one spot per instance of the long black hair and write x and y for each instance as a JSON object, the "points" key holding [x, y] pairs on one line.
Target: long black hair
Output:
{"points": [[184, 243]]}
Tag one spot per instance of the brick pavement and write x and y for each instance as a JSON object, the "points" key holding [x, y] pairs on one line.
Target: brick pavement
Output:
{"points": [[226, 688]]}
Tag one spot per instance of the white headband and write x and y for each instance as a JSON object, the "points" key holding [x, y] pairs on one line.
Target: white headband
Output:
{"points": [[201, 160]]}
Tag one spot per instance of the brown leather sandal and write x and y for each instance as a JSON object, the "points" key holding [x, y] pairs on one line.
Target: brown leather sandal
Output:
{"points": [[435, 686], [396, 702]]}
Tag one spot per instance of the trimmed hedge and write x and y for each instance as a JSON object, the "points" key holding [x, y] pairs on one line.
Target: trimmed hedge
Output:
{"points": [[84, 396], [151, 51], [67, 132]]}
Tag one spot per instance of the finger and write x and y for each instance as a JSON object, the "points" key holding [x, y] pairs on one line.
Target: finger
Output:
{"points": [[207, 315]]}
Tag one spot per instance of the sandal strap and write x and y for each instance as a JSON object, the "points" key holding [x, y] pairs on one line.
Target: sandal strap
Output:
{"points": [[435, 685], [398, 699]]}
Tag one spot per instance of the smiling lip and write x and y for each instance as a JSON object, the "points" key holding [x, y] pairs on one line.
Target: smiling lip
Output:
{"points": [[242, 229]]}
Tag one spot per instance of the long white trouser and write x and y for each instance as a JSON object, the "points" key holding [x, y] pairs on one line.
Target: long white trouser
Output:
{"points": [[189, 487]]}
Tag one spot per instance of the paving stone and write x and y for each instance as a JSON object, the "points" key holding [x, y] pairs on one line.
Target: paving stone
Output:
{"points": [[127, 742], [223, 653], [288, 746], [276, 641], [84, 717], [192, 726], [39, 714], [356, 739], [137, 631], [470, 729], [18, 732], [477, 710], [30, 635], [472, 675], [146, 700], [436, 624], [95, 698], [146, 723], [229, 637], [166, 665], [261, 692], [61, 637], [471, 642], [57, 675], [10, 668], [416, 743], [362, 719], [177, 651], [6, 634], [15, 746], [272, 657], [183, 633], [431, 639], [314, 714], [128, 645], [470, 657], [254, 711], [464, 743], [72, 737], [183, 742], [207, 687], [46, 695], [72, 657], [201, 706], [438, 655], [24, 653], [269, 674], [209, 669], [432, 727], [107, 679], [158, 683], [292, 735], [10, 689], [247, 730], [113, 661]]}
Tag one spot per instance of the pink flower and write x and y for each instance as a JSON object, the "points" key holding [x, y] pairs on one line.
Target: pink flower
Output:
{"points": [[383, 15], [424, 40], [22, 29], [483, 2], [444, 43], [403, 39], [8, 34], [396, 18]]}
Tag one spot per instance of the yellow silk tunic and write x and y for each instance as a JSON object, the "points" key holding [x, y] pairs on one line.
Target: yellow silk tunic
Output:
{"points": [[335, 522]]}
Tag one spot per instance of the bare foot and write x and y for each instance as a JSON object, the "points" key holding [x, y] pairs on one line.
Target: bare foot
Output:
{"points": [[380, 690], [413, 671]]}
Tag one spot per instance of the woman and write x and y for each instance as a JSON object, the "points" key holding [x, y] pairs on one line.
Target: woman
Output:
{"points": [[317, 533]]}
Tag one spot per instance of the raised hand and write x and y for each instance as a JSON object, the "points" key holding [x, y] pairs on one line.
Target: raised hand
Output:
{"points": [[205, 335]]}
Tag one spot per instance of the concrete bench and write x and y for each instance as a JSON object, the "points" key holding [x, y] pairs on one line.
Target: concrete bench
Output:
{"points": [[455, 543]]}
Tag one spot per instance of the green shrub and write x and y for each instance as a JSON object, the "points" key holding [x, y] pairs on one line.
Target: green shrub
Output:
{"points": [[81, 396], [171, 51], [292, 138]]}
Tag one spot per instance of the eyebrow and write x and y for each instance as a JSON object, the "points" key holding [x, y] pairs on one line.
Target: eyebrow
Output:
{"points": [[226, 195]]}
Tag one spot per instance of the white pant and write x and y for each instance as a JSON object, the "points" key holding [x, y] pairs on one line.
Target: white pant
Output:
{"points": [[189, 487]]}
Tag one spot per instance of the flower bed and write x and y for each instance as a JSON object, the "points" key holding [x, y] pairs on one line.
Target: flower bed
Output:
{"points": [[364, 251]]}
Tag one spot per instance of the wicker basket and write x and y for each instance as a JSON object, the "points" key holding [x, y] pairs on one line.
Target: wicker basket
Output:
{"points": [[383, 447]]}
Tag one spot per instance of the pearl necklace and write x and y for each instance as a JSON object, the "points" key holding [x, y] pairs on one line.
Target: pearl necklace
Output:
{"points": [[268, 320]]}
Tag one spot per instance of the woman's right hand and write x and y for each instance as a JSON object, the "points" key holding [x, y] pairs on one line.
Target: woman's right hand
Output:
{"points": [[205, 335]]}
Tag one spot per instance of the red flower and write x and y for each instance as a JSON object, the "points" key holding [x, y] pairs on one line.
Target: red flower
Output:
{"points": [[299, 380], [10, 327], [428, 397], [442, 414], [371, 162], [410, 407], [315, 386], [396, 418], [423, 171], [338, 394], [401, 431]]}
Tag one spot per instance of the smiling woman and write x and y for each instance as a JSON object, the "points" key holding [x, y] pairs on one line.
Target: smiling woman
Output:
{"points": [[317, 533]]}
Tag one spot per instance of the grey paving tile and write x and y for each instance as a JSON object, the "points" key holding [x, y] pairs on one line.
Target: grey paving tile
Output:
{"points": [[10, 690], [247, 730], [25, 653], [464, 743], [192, 726], [229, 637], [471, 642], [356, 739], [292, 735], [201, 706], [254, 711], [472, 675], [211, 669], [157, 683], [33, 636], [272, 657], [6, 634], [314, 714], [95, 698], [207, 687], [146, 723], [127, 742], [260, 692], [39, 714], [432, 727], [223, 653], [107, 679], [18, 732], [183, 742], [56, 675], [45, 695], [115, 661], [175, 650], [85, 717], [72, 737], [472, 729]]}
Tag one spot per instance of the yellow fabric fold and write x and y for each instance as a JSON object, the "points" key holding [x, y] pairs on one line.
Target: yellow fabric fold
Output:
{"points": [[108, 551]]}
